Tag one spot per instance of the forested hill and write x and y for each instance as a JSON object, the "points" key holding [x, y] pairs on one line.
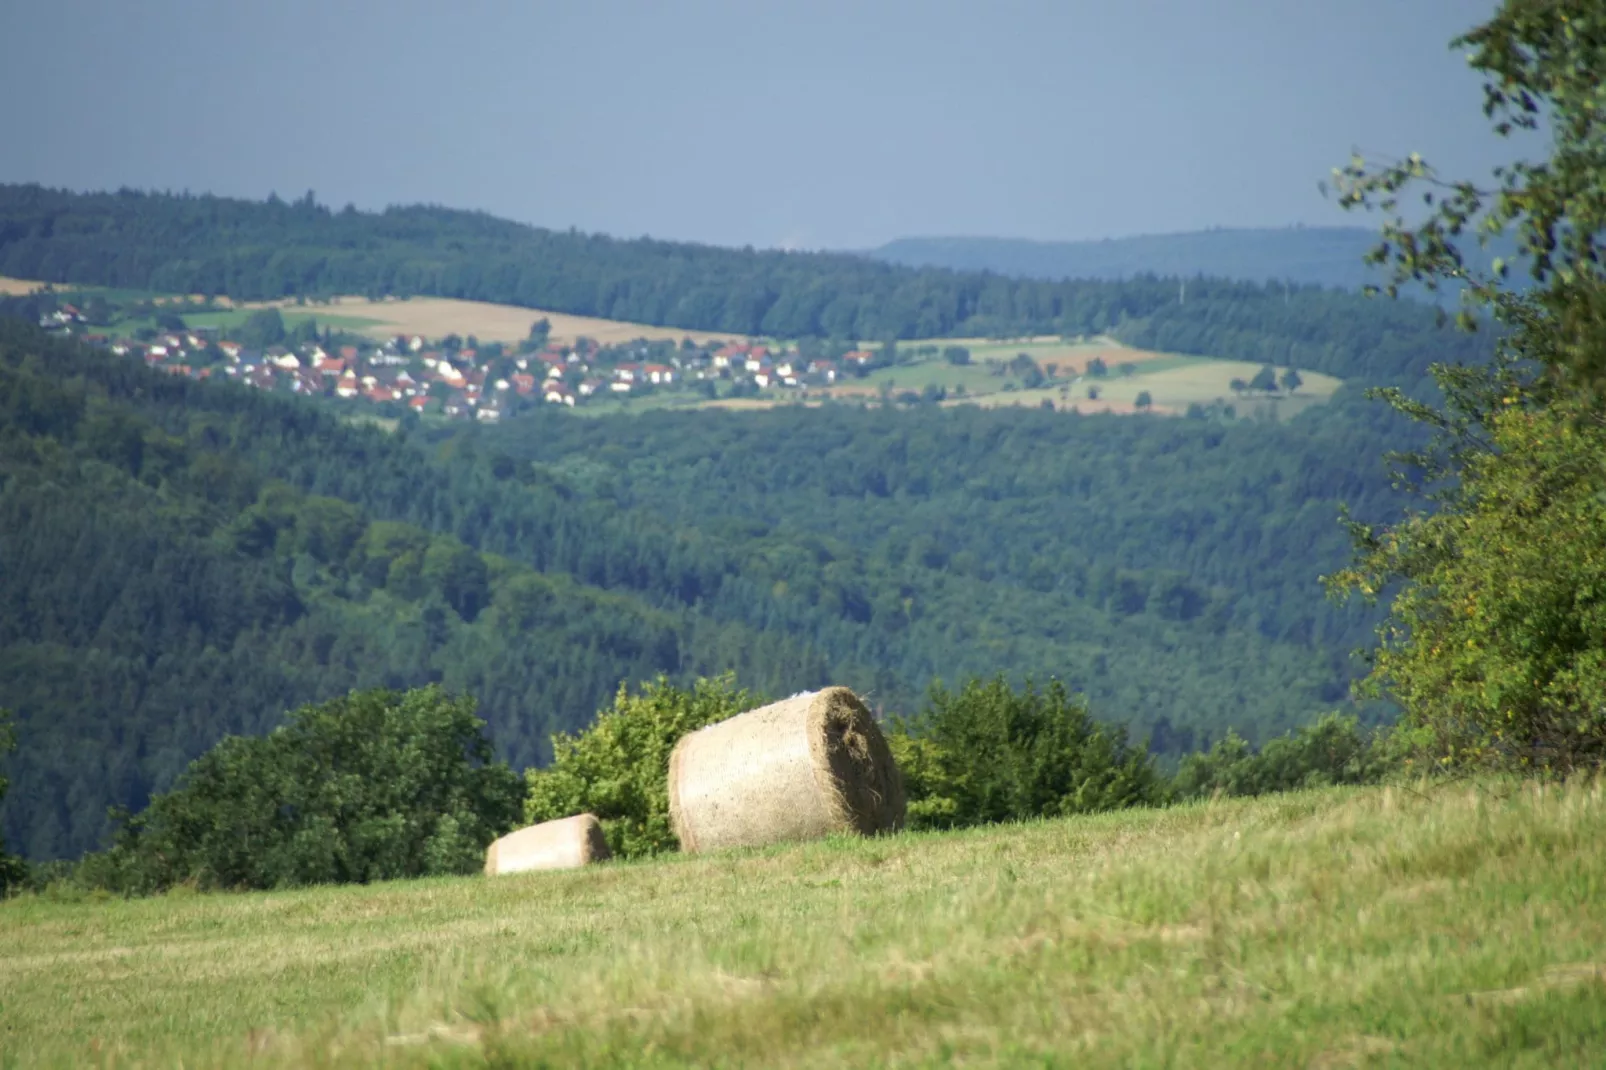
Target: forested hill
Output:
{"points": [[257, 250], [182, 559], [1332, 257], [1309, 256]]}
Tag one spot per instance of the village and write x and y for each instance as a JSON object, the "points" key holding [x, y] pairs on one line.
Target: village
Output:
{"points": [[462, 379]]}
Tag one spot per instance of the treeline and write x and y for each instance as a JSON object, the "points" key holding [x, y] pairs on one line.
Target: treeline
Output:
{"points": [[381, 785], [259, 250], [182, 560]]}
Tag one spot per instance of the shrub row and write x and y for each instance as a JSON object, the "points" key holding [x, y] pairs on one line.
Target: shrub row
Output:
{"points": [[380, 785]]}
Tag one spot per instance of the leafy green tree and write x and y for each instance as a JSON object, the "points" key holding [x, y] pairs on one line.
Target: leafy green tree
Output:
{"points": [[1265, 379], [956, 355], [1493, 645], [1291, 380], [1541, 61], [458, 574], [1097, 369], [373, 786], [1496, 645], [1334, 750], [12, 870], [618, 768], [989, 753], [1144, 400], [262, 328]]}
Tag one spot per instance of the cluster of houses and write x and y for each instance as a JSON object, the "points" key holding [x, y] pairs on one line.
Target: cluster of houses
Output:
{"points": [[483, 383]]}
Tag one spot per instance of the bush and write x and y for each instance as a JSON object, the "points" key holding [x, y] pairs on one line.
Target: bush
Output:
{"points": [[1495, 646], [13, 871], [1334, 750], [988, 753], [618, 768], [373, 786]]}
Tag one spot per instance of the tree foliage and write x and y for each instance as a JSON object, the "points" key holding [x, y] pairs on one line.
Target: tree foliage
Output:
{"points": [[1336, 749], [1493, 643], [618, 768], [373, 786], [1496, 644], [989, 752], [12, 869]]}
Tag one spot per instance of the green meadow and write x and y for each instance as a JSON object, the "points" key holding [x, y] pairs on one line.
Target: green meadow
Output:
{"points": [[1459, 925]]}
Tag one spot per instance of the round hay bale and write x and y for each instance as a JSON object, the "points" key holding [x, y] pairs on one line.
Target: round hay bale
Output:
{"points": [[564, 844], [800, 769]]}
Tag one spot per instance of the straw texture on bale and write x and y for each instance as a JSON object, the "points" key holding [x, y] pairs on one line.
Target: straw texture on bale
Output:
{"points": [[800, 769], [566, 844]]}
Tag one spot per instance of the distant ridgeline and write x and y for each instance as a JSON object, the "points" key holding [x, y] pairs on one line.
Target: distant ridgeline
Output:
{"points": [[259, 250], [1302, 256], [181, 559], [1307, 256]]}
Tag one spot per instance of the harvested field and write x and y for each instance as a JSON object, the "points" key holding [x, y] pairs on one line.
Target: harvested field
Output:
{"points": [[436, 317], [10, 287]]}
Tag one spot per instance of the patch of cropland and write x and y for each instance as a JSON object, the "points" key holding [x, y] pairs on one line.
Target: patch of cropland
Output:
{"points": [[1455, 925]]}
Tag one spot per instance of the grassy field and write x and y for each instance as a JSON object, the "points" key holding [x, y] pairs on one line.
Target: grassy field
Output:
{"points": [[1173, 385], [1460, 925]]}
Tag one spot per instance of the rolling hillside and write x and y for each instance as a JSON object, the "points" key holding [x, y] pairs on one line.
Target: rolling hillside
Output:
{"points": [[1461, 926]]}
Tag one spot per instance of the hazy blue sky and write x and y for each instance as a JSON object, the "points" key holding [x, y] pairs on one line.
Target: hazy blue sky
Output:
{"points": [[818, 124]]}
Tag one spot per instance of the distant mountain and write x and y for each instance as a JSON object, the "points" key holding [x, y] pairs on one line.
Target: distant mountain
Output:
{"points": [[1322, 256]]}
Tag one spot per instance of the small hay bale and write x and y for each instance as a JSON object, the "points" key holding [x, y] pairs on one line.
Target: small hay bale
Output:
{"points": [[795, 770], [564, 844]]}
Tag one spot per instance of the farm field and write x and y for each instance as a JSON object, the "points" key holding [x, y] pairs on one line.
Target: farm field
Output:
{"points": [[1453, 925], [1180, 382], [435, 317], [10, 287], [1065, 359]]}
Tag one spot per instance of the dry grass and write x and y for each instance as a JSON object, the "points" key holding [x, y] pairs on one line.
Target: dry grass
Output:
{"points": [[436, 317], [10, 287], [1456, 926]]}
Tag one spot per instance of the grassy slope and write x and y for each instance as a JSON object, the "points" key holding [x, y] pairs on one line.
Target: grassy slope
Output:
{"points": [[1331, 928]]}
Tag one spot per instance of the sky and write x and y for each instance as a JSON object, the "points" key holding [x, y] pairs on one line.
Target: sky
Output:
{"points": [[814, 124]]}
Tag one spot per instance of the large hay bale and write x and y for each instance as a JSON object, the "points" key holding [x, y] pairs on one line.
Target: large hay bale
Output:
{"points": [[795, 770], [565, 844]]}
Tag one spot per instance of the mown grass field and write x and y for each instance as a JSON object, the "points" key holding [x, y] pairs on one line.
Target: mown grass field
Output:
{"points": [[1452, 926], [1173, 385]]}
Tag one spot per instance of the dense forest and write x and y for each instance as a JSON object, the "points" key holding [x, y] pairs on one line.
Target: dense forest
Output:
{"points": [[258, 250], [179, 559], [183, 559]]}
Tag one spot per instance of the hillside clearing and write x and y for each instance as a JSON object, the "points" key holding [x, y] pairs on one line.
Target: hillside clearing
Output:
{"points": [[1458, 925], [10, 287], [436, 317], [1183, 381]]}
